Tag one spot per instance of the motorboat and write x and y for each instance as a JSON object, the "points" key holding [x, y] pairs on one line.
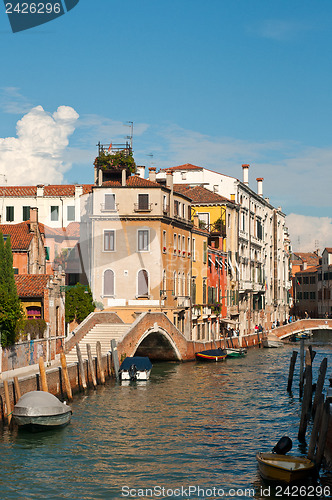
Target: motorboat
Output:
{"points": [[39, 410], [211, 355], [233, 352], [135, 368], [284, 468], [272, 341]]}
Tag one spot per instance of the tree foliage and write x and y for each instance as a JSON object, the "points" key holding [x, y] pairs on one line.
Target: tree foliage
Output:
{"points": [[79, 303], [10, 306]]}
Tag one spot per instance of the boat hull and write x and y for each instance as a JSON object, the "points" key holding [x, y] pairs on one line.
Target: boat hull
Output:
{"points": [[39, 410], [135, 368], [283, 468], [235, 353], [211, 355]]}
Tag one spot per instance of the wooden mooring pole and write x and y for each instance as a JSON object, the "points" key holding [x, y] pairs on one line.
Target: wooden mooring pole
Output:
{"points": [[42, 372], [7, 401], [315, 428], [301, 366], [291, 371], [91, 367], [17, 389], [319, 385], [115, 358], [322, 434], [307, 398], [101, 373], [65, 375], [81, 367]]}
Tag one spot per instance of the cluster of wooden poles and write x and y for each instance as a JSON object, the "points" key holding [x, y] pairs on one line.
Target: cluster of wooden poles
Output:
{"points": [[96, 374], [317, 409]]}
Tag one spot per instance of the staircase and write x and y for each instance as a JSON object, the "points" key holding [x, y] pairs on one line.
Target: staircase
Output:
{"points": [[104, 333]]}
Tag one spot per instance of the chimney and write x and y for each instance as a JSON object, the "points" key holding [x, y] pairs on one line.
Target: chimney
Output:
{"points": [[40, 190], [169, 179], [78, 190], [140, 171], [245, 169], [260, 186], [152, 174], [33, 215], [124, 177], [196, 220]]}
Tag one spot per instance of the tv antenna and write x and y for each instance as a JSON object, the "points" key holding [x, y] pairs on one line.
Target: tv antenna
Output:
{"points": [[130, 136]]}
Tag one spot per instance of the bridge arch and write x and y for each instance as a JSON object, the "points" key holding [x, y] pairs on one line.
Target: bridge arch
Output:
{"points": [[155, 336]]}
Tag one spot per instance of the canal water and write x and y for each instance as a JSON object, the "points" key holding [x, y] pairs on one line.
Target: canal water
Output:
{"points": [[191, 431]]}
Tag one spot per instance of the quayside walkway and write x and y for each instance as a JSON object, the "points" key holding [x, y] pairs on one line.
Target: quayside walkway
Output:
{"points": [[285, 331]]}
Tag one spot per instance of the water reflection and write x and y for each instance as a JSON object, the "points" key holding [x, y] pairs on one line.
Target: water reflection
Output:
{"points": [[190, 424]]}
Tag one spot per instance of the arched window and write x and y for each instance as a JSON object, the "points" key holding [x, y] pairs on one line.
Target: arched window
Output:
{"points": [[142, 283], [179, 285], [108, 283], [174, 284]]}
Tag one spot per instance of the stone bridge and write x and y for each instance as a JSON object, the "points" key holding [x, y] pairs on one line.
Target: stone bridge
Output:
{"points": [[285, 331], [152, 334]]}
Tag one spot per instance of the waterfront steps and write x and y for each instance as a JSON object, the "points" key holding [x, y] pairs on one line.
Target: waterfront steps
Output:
{"points": [[103, 333]]}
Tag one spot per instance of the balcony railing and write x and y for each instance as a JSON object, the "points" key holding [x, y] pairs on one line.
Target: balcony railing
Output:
{"points": [[105, 208], [142, 207], [183, 301]]}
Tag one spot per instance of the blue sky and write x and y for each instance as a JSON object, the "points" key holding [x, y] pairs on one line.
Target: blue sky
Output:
{"points": [[216, 83]]}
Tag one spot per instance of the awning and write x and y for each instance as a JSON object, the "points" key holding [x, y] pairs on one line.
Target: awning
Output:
{"points": [[230, 321]]}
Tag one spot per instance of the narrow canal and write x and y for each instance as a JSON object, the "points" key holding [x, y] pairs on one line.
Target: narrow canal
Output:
{"points": [[191, 431]]}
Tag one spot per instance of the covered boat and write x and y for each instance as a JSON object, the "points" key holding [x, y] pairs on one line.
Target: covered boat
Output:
{"points": [[211, 355], [135, 368], [39, 410], [284, 468]]}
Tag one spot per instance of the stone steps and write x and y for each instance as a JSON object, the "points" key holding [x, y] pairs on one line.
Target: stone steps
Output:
{"points": [[103, 333]]}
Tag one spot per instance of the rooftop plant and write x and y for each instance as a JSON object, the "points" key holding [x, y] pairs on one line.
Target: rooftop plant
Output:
{"points": [[116, 161]]}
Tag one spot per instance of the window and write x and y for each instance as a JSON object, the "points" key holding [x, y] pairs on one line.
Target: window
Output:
{"points": [[183, 243], [34, 312], [109, 283], [203, 220], [143, 240], [142, 283], [164, 241], [188, 245], [9, 214], [174, 284], [109, 241], [165, 203], [204, 252], [15, 269], [179, 243], [55, 213], [174, 242], [194, 249], [71, 212], [47, 253], [176, 208], [164, 282], [109, 201], [26, 213], [143, 202]]}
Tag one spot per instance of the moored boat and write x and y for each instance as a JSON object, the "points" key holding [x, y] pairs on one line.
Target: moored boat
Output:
{"points": [[39, 410], [211, 355], [135, 368], [233, 352], [284, 468]]}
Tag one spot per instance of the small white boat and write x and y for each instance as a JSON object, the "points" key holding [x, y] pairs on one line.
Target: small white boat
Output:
{"points": [[39, 410], [234, 352], [135, 368], [272, 341]]}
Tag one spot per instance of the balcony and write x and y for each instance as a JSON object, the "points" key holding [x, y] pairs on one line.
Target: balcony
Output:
{"points": [[183, 302], [245, 285], [109, 208], [166, 210], [142, 207]]}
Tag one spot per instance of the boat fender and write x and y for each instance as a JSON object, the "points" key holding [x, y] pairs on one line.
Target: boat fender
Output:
{"points": [[283, 446]]}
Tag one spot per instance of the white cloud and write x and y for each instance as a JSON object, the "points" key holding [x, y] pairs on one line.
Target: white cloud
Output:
{"points": [[36, 154], [280, 29], [13, 102], [309, 233]]}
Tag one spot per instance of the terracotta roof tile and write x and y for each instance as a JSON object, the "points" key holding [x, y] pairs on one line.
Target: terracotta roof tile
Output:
{"points": [[310, 258], [186, 166], [199, 194], [20, 235], [133, 181], [31, 285], [329, 250], [52, 190]]}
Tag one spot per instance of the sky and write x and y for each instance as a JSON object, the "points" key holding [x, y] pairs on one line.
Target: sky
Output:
{"points": [[216, 84]]}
